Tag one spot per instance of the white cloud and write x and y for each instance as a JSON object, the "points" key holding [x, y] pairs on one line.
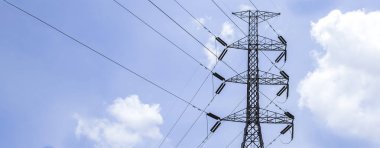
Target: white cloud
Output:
{"points": [[245, 7], [227, 34], [131, 122], [343, 89]]}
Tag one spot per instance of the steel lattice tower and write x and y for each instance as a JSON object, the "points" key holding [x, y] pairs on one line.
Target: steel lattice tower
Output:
{"points": [[253, 115]]}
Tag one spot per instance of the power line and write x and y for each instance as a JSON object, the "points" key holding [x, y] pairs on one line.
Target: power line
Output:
{"points": [[233, 140], [183, 112], [244, 32], [155, 30], [159, 33], [208, 135], [275, 139], [204, 26], [228, 16], [102, 55], [144, 22], [191, 35], [271, 101], [179, 118], [241, 101], [204, 141], [188, 12], [196, 120], [265, 20], [200, 23], [274, 64], [252, 132], [167, 15], [207, 138], [253, 4], [187, 132], [270, 68]]}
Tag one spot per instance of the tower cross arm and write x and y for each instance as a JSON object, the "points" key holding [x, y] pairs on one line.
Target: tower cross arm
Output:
{"points": [[266, 117], [265, 44], [261, 15], [265, 78], [240, 44], [268, 44]]}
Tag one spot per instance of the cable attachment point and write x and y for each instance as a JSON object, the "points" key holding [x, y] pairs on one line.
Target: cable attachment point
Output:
{"points": [[282, 90], [213, 116], [283, 41], [220, 88], [221, 41], [286, 129], [286, 76], [219, 76], [221, 56], [215, 127], [291, 116], [280, 57]]}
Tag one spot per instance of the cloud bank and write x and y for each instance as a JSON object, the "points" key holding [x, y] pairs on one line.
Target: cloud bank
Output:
{"points": [[343, 89], [130, 123]]}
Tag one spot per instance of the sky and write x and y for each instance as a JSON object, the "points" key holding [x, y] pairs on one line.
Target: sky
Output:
{"points": [[55, 93]]}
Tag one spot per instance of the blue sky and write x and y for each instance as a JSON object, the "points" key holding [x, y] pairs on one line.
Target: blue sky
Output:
{"points": [[47, 79]]}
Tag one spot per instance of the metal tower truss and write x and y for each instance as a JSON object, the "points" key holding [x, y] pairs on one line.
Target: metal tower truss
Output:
{"points": [[266, 116], [265, 78], [253, 115], [265, 44]]}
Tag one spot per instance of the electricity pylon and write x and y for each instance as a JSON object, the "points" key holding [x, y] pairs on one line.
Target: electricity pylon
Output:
{"points": [[253, 115]]}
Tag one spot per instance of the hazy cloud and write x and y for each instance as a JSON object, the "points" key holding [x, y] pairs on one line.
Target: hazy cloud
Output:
{"points": [[130, 122], [202, 21], [245, 7], [343, 89]]}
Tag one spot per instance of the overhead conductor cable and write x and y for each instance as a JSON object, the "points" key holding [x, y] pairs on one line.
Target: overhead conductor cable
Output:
{"points": [[102, 55], [176, 122], [191, 35], [200, 23], [155, 30], [216, 38], [160, 34]]}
